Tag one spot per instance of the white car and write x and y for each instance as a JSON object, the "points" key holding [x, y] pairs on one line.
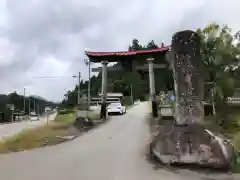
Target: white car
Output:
{"points": [[34, 117], [116, 107], [136, 102]]}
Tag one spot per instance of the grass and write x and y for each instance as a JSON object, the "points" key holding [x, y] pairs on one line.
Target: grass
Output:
{"points": [[65, 119], [93, 115], [231, 130], [48, 134], [232, 127]]}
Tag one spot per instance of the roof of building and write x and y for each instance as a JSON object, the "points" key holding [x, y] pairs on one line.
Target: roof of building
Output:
{"points": [[95, 56], [108, 98], [113, 95], [127, 53]]}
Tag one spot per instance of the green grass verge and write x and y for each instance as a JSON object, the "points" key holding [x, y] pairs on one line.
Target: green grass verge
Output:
{"points": [[40, 136], [93, 116], [65, 118], [45, 135]]}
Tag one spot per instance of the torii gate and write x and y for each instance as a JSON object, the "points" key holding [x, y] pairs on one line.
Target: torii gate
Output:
{"points": [[129, 60]]}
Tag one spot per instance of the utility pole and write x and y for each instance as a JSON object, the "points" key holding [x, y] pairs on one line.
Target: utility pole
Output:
{"points": [[24, 101], [34, 105], [79, 82], [88, 63]]}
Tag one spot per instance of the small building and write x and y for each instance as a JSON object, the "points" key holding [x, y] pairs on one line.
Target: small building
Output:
{"points": [[111, 97]]}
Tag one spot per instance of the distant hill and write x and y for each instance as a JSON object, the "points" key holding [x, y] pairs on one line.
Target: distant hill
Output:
{"points": [[38, 97]]}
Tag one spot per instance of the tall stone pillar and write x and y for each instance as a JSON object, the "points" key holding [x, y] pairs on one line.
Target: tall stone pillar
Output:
{"points": [[189, 81], [188, 142], [152, 87], [104, 90]]}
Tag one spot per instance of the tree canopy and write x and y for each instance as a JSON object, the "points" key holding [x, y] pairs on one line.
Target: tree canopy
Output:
{"points": [[220, 54], [35, 103]]}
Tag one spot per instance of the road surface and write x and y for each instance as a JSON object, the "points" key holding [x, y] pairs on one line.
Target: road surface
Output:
{"points": [[10, 129], [114, 151]]}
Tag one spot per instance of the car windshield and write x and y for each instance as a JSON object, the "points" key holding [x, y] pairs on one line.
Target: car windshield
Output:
{"points": [[115, 104]]}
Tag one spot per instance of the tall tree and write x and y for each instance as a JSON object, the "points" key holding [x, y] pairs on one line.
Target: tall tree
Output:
{"points": [[135, 45], [220, 52], [151, 45]]}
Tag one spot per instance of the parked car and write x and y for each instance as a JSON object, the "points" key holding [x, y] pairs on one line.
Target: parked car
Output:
{"points": [[34, 117], [137, 102], [116, 107], [47, 109]]}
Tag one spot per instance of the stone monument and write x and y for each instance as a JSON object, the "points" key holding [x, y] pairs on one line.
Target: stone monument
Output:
{"points": [[189, 83], [185, 140]]}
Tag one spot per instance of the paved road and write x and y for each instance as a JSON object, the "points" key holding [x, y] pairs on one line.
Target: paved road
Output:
{"points": [[10, 129], [114, 151]]}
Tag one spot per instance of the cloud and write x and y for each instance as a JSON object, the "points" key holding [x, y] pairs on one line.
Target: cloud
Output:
{"points": [[48, 38]]}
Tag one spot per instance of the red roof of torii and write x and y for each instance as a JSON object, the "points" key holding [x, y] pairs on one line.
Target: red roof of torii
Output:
{"points": [[126, 53]]}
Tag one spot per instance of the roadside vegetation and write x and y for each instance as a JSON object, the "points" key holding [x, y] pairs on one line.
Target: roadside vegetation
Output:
{"points": [[221, 50], [63, 128]]}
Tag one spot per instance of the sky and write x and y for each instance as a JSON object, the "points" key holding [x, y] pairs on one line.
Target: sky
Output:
{"points": [[47, 38]]}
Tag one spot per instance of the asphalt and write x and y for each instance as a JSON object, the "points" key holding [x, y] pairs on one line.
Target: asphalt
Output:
{"points": [[114, 151]]}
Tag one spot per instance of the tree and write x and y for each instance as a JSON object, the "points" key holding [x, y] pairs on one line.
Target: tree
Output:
{"points": [[220, 52], [151, 45], [135, 45]]}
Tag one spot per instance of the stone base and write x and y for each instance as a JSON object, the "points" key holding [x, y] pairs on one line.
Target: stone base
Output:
{"points": [[191, 145]]}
